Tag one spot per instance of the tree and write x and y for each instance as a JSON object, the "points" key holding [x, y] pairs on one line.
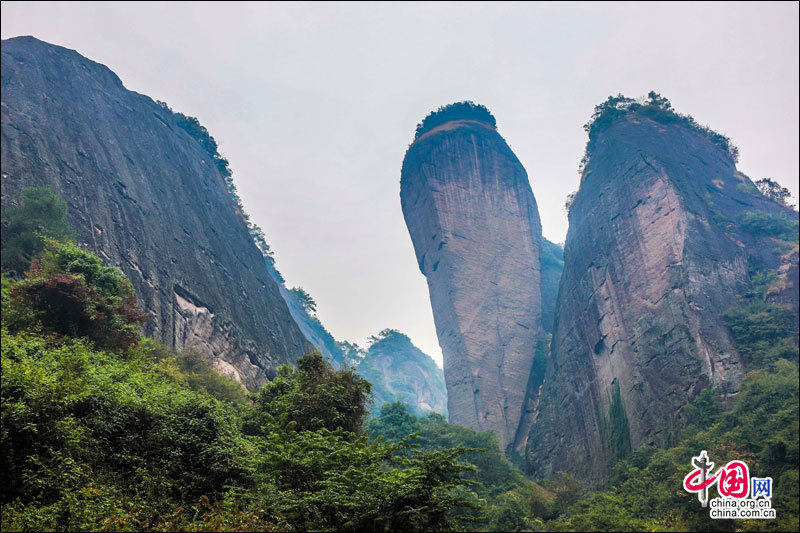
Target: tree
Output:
{"points": [[315, 396], [388, 333], [569, 201], [352, 353], [466, 110], [41, 213], [772, 190], [304, 299], [69, 292]]}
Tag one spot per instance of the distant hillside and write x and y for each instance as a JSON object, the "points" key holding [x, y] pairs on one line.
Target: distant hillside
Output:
{"points": [[399, 371]]}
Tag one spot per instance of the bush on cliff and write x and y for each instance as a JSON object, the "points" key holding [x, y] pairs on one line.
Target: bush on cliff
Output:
{"points": [[654, 107], [466, 110]]}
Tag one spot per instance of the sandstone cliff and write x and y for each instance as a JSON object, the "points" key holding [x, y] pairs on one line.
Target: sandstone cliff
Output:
{"points": [[399, 371], [147, 197], [654, 257], [475, 227], [552, 258]]}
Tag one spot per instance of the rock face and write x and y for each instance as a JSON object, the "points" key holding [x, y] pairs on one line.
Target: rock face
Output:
{"points": [[552, 256], [146, 197], [653, 259], [475, 227], [399, 371]]}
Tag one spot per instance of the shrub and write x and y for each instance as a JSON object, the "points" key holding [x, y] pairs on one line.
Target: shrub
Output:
{"points": [[654, 107], [41, 213], [466, 110], [69, 293]]}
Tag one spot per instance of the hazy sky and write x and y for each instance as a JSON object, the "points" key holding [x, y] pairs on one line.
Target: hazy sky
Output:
{"points": [[315, 104]]}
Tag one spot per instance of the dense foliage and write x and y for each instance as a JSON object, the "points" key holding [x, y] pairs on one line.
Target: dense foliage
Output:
{"points": [[773, 190], [466, 110], [654, 107], [304, 299], [103, 436], [69, 293], [513, 503], [41, 213]]}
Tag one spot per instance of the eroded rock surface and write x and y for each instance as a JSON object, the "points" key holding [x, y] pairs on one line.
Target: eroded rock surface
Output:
{"points": [[146, 197], [475, 227], [652, 261]]}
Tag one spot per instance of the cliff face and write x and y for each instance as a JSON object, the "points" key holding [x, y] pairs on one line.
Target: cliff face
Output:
{"points": [[399, 371], [652, 261], [552, 256], [476, 232], [146, 197]]}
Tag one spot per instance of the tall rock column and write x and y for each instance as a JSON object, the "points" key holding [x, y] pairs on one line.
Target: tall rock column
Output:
{"points": [[653, 259], [476, 232]]}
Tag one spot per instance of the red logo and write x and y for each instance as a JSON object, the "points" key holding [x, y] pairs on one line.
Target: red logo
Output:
{"points": [[732, 480]]}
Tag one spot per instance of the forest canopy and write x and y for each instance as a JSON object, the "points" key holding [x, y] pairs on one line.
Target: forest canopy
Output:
{"points": [[466, 110]]}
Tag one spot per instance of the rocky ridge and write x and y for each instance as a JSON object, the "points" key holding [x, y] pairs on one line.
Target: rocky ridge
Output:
{"points": [[146, 197], [654, 258], [476, 232]]}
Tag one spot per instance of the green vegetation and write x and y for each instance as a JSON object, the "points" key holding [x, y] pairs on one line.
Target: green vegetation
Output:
{"points": [[764, 332], [772, 190], [619, 436], [408, 366], [512, 502], [654, 107], [304, 299], [41, 214], [770, 225], [466, 110], [101, 431], [69, 293], [645, 490], [352, 353], [570, 199]]}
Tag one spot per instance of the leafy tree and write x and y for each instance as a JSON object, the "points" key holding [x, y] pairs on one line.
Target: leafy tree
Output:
{"points": [[654, 107], [315, 396], [68, 292], [773, 190], [41, 214], [352, 353], [304, 299], [387, 334], [569, 201]]}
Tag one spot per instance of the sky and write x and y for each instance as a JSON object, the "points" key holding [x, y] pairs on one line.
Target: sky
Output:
{"points": [[315, 104]]}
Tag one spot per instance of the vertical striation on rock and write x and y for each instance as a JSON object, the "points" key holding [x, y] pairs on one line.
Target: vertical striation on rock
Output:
{"points": [[652, 261], [476, 232], [145, 196], [552, 258]]}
